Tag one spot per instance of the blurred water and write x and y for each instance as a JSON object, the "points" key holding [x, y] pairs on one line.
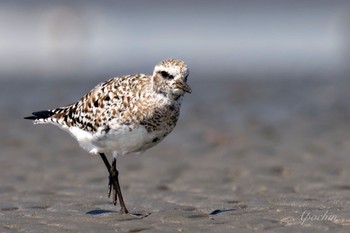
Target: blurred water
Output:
{"points": [[242, 39]]}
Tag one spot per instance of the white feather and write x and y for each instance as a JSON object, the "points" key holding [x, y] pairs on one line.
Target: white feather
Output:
{"points": [[121, 140]]}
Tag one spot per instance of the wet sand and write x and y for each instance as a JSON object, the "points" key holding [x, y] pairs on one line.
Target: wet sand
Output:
{"points": [[245, 156]]}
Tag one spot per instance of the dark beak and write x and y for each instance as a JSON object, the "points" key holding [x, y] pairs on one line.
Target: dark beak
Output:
{"points": [[183, 86]]}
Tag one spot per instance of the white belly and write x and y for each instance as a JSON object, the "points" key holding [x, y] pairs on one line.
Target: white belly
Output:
{"points": [[121, 140]]}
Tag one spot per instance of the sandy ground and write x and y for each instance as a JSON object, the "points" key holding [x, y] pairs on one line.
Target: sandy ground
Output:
{"points": [[246, 156]]}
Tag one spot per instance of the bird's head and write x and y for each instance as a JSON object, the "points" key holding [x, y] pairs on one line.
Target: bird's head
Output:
{"points": [[170, 77]]}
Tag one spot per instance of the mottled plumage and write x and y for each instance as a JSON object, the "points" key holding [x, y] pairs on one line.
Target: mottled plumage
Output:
{"points": [[117, 107], [125, 114]]}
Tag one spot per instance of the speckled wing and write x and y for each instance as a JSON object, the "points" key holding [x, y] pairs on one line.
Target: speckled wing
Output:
{"points": [[108, 100]]}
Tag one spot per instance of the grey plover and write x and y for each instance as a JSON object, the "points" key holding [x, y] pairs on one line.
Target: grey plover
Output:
{"points": [[127, 114]]}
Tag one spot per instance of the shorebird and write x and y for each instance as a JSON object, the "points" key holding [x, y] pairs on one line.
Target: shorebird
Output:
{"points": [[123, 115]]}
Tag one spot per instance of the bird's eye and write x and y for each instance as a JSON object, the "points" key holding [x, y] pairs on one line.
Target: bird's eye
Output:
{"points": [[166, 75]]}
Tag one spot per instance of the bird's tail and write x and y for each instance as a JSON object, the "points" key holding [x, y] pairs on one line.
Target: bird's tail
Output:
{"points": [[41, 116]]}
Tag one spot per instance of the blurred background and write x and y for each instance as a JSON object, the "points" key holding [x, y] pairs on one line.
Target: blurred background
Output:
{"points": [[263, 137], [235, 39]]}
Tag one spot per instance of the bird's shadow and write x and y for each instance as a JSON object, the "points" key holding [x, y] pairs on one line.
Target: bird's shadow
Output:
{"points": [[99, 211], [217, 211]]}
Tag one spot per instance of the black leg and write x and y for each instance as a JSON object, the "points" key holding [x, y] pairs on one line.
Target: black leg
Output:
{"points": [[114, 183], [117, 191], [108, 166], [105, 160], [113, 175]]}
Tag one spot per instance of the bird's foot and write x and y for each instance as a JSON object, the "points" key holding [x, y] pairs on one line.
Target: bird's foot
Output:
{"points": [[113, 183], [114, 188]]}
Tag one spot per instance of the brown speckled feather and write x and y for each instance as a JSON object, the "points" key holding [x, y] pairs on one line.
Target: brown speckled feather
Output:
{"points": [[125, 107]]}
